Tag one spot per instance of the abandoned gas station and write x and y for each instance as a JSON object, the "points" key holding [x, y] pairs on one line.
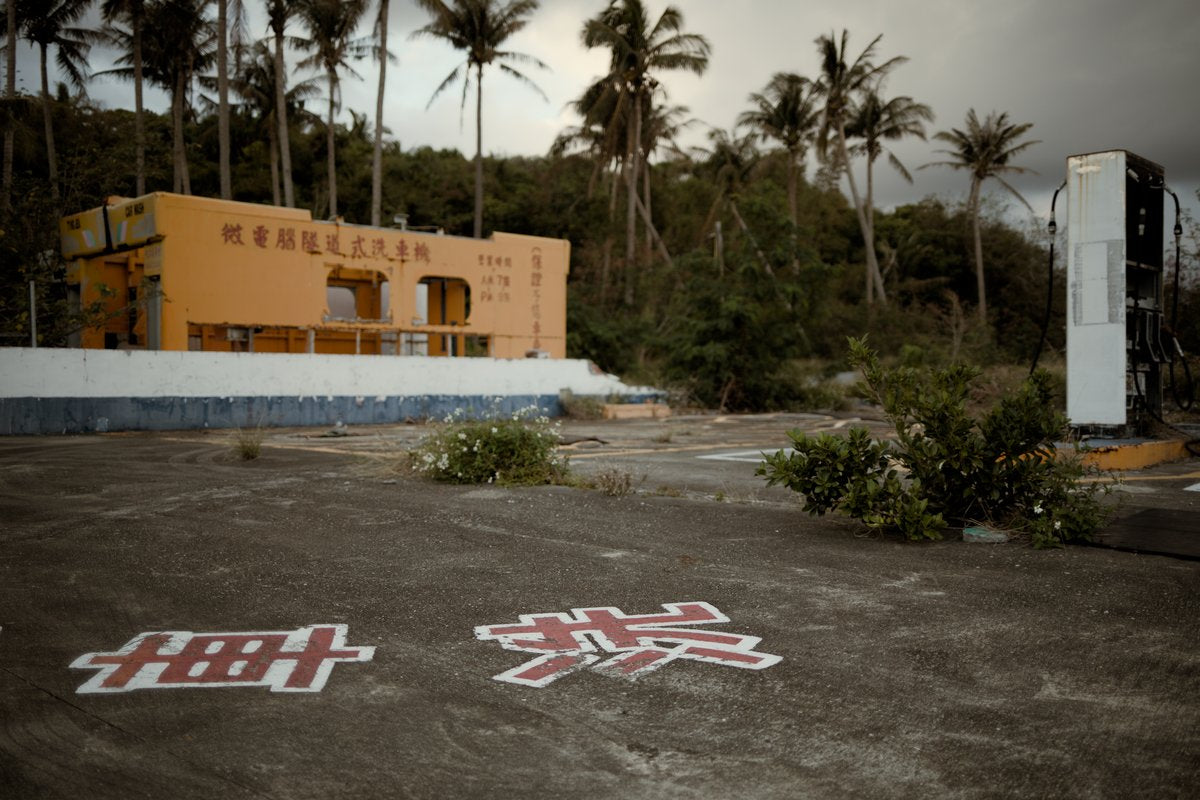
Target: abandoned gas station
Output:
{"points": [[174, 272]]}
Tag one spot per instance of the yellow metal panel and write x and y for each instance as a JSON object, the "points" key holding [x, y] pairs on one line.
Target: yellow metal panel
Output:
{"points": [[132, 222], [82, 234]]}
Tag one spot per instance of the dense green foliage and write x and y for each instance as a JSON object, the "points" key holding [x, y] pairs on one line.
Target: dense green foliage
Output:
{"points": [[725, 329], [946, 465]]}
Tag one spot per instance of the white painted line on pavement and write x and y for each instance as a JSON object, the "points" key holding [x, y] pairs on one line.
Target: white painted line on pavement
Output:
{"points": [[748, 456], [1193, 488]]}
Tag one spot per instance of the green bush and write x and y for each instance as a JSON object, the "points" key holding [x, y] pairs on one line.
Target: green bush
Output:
{"points": [[1002, 468], [517, 450]]}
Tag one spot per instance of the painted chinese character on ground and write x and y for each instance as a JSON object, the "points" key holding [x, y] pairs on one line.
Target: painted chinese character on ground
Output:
{"points": [[286, 661], [565, 642]]}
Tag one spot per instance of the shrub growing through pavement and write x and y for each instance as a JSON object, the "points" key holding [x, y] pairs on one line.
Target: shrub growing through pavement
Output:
{"points": [[947, 466], [516, 450]]}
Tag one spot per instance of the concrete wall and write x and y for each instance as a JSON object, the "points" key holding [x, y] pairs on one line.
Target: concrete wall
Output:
{"points": [[76, 391]]}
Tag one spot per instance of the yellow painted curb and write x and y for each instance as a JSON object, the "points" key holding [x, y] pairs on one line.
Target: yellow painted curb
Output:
{"points": [[1136, 456]]}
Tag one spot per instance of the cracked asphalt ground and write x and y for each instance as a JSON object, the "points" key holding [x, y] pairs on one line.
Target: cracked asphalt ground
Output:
{"points": [[908, 670]]}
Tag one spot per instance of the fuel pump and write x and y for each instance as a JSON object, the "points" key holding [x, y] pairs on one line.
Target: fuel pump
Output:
{"points": [[1117, 351]]}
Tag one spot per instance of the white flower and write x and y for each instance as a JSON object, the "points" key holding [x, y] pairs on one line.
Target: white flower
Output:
{"points": [[1057, 525], [495, 429], [462, 435], [1037, 508]]}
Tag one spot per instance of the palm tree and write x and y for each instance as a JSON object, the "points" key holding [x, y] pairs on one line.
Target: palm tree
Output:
{"points": [[787, 112], [177, 45], [480, 27], [255, 84], [224, 29], [731, 160], [10, 98], [381, 26], [985, 150], [278, 12], [48, 23], [639, 50], [841, 81], [331, 25], [132, 13], [874, 121]]}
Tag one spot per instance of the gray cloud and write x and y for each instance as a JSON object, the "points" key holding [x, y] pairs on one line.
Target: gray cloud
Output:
{"points": [[1090, 75]]}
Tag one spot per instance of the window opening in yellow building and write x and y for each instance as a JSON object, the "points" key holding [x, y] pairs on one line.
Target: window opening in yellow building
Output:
{"points": [[448, 305]]}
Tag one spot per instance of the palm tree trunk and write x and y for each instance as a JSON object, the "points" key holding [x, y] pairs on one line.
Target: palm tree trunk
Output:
{"points": [[48, 117], [377, 158], [762, 258], [867, 233], [273, 143], [281, 121], [652, 233], [479, 151], [876, 274], [223, 99], [631, 198], [139, 112], [10, 95], [793, 206], [649, 250], [177, 153], [981, 288], [719, 248], [331, 158]]}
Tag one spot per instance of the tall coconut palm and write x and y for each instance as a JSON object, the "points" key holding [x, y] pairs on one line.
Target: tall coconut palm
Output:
{"points": [[278, 13], [225, 32], [178, 43], [787, 111], [875, 120], [985, 150], [132, 13], [639, 50], [842, 80], [381, 26], [480, 27], [10, 98], [331, 25], [50, 23], [255, 85]]}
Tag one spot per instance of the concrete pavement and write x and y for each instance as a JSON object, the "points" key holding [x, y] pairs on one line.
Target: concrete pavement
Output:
{"points": [[906, 670]]}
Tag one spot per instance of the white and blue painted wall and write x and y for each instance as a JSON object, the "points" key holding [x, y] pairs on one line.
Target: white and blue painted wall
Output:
{"points": [[56, 391]]}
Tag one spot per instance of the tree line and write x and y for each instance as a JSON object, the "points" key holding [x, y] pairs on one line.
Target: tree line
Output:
{"points": [[718, 268]]}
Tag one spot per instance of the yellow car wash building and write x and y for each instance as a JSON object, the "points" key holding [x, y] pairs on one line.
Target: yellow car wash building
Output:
{"points": [[175, 272]]}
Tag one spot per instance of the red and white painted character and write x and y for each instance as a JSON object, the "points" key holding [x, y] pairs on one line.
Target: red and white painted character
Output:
{"points": [[568, 642], [286, 661]]}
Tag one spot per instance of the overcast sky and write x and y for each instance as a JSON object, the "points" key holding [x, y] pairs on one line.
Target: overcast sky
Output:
{"points": [[1090, 74]]}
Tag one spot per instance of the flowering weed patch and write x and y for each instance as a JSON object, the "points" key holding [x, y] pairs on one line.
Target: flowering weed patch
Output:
{"points": [[516, 450]]}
